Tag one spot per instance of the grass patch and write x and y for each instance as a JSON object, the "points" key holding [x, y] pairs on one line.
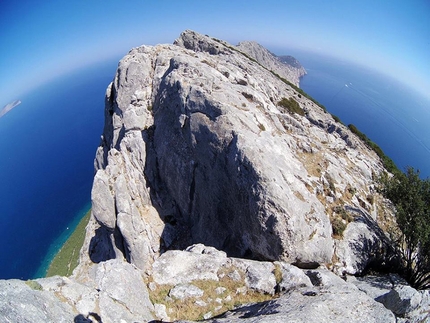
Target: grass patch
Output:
{"points": [[213, 301], [34, 285], [292, 106], [340, 220], [67, 258]]}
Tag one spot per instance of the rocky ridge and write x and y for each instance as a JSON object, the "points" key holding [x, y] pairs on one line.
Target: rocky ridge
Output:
{"points": [[285, 66], [201, 165]]}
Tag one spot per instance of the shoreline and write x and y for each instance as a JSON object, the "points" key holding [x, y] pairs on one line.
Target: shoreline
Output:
{"points": [[59, 243]]}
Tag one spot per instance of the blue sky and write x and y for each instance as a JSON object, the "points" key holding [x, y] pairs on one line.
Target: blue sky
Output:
{"points": [[43, 39]]}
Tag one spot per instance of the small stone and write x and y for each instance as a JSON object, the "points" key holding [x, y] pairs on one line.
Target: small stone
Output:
{"points": [[208, 315], [218, 308], [235, 276], [183, 291], [218, 300], [152, 286], [241, 290], [160, 312], [227, 299], [200, 303], [220, 290]]}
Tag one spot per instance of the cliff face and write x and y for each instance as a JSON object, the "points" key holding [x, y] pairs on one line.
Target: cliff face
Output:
{"points": [[197, 148], [201, 148]]}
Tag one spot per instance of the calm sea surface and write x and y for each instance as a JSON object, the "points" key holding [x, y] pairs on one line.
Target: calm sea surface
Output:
{"points": [[47, 147], [388, 112]]}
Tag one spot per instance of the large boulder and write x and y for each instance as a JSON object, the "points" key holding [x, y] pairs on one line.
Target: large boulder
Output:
{"points": [[113, 291]]}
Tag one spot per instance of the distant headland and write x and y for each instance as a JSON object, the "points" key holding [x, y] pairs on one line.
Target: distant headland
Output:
{"points": [[9, 107]]}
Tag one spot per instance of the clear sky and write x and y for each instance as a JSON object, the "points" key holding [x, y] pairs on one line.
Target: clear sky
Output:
{"points": [[42, 39]]}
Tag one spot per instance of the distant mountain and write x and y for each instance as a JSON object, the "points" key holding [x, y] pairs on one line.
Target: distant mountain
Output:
{"points": [[9, 107], [290, 60], [285, 66]]}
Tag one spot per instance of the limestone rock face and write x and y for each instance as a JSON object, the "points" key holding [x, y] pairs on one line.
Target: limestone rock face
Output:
{"points": [[114, 291], [286, 66], [197, 148]]}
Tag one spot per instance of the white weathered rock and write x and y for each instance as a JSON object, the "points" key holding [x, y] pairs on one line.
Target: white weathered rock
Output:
{"points": [[258, 275], [24, 302], [292, 277], [180, 267], [160, 312], [183, 291], [114, 292], [396, 295]]}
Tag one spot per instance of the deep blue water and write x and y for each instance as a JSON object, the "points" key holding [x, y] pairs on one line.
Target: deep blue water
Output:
{"points": [[47, 147], [391, 114]]}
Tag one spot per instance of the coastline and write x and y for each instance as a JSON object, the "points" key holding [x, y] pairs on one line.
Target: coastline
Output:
{"points": [[61, 242]]}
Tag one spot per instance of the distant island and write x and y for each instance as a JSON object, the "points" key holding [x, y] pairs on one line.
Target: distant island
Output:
{"points": [[9, 107]]}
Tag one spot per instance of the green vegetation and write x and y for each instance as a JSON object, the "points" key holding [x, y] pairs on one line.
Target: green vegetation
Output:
{"points": [[292, 106], [336, 118], [411, 197], [66, 260], [387, 161], [34, 285], [339, 220], [262, 127], [300, 91], [338, 226]]}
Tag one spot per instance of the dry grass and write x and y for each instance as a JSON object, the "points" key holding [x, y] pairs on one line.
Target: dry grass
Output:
{"points": [[236, 293]]}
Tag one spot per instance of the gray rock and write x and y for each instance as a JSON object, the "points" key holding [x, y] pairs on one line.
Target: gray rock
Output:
{"points": [[258, 275], [181, 267], [401, 299], [364, 246], [374, 286], [183, 291], [395, 294], [123, 294], [196, 149], [27, 302], [304, 305], [292, 277]]}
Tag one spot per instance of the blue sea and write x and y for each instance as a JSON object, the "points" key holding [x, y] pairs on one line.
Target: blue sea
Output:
{"points": [[391, 114], [47, 146]]}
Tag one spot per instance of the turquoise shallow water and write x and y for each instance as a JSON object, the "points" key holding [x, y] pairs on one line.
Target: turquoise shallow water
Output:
{"points": [[47, 146]]}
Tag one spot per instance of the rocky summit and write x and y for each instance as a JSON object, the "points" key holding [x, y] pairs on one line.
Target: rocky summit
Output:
{"points": [[222, 192]]}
